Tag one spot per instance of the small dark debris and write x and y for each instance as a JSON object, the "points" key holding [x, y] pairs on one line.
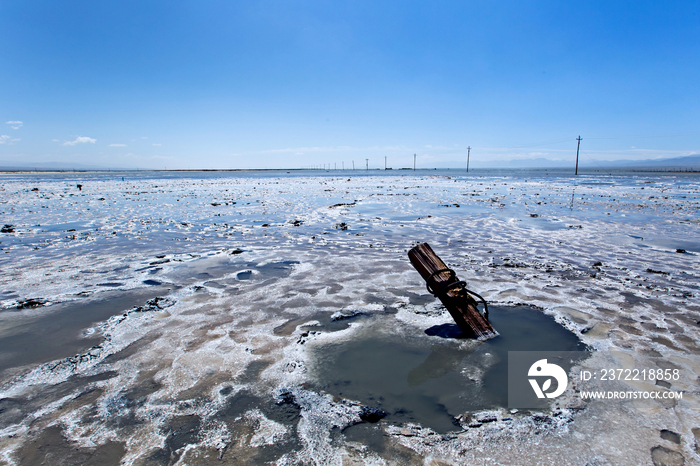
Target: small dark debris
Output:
{"points": [[79, 186], [681, 251], [534, 215], [487, 418], [343, 205], [265, 225], [657, 272], [35, 189], [162, 261], [31, 303], [297, 223], [155, 304], [7, 229], [342, 226], [236, 251], [151, 282], [285, 397], [215, 204], [371, 414], [101, 199], [598, 264]]}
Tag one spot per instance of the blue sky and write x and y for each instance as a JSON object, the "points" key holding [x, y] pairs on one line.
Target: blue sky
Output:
{"points": [[288, 84]]}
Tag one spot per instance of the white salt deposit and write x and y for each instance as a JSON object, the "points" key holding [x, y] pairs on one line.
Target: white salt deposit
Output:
{"points": [[249, 260]]}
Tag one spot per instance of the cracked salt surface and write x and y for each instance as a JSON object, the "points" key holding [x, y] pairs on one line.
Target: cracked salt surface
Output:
{"points": [[226, 369]]}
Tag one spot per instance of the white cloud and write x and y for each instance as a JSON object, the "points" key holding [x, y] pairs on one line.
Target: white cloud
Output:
{"points": [[117, 145], [144, 137], [80, 140], [156, 144], [4, 138], [14, 124]]}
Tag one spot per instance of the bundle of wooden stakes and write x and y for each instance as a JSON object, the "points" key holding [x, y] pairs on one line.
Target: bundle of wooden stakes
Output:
{"points": [[444, 284]]}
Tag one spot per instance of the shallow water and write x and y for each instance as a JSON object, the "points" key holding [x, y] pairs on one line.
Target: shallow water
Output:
{"points": [[56, 331], [252, 267], [433, 377]]}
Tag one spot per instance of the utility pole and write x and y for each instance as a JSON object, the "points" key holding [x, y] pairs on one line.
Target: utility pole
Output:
{"points": [[367, 164], [577, 148], [414, 162], [469, 149], [385, 162], [353, 165], [343, 165]]}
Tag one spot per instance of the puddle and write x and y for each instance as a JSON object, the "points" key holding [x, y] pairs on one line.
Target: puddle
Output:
{"points": [[429, 377], [214, 268], [59, 328]]}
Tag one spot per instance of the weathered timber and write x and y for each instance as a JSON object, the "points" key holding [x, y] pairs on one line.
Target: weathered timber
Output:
{"points": [[443, 283]]}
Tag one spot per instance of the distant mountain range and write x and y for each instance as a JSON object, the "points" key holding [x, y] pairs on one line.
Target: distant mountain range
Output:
{"points": [[675, 163], [689, 161]]}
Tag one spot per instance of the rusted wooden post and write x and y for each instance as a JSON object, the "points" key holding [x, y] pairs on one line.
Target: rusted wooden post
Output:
{"points": [[444, 284]]}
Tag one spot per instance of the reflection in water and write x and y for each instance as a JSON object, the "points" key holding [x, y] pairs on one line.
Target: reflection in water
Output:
{"points": [[441, 361]]}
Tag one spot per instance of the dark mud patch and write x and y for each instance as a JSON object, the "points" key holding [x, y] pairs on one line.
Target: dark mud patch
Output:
{"points": [[181, 431], [284, 411], [372, 436], [132, 349], [253, 370], [430, 379], [51, 447]]}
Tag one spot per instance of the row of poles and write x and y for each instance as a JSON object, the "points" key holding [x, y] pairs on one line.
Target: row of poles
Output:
{"points": [[469, 150]]}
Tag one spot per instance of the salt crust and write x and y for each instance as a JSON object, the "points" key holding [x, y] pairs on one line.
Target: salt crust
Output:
{"points": [[509, 257]]}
